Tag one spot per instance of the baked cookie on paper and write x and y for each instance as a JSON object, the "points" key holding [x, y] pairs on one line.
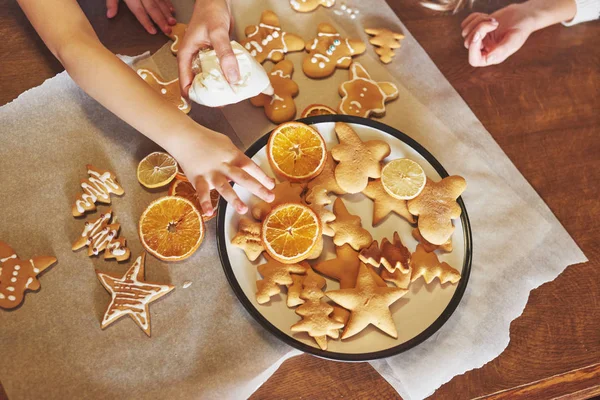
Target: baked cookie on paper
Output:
{"points": [[363, 96], [305, 6], [100, 235], [169, 89], [280, 107], [267, 41], [176, 35], [328, 51], [385, 42], [97, 188]]}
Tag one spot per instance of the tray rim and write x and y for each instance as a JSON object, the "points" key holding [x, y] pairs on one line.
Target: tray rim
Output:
{"points": [[350, 357]]}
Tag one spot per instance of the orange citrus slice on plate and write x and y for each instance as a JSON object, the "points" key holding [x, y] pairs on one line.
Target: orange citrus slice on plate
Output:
{"points": [[317, 109], [403, 179], [296, 151], [156, 170], [171, 228], [290, 232], [186, 190]]}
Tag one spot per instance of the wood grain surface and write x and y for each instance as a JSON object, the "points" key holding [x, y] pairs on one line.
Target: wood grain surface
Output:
{"points": [[541, 106]]}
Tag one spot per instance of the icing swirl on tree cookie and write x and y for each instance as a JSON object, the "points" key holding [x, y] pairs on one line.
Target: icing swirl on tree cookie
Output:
{"points": [[99, 235], [97, 188]]}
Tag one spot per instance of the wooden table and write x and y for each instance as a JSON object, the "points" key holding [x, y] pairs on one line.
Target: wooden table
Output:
{"points": [[541, 106]]}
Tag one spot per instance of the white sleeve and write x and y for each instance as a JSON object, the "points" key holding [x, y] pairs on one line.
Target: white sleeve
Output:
{"points": [[587, 10]]}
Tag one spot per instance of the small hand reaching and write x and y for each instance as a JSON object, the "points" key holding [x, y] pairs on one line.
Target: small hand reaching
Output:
{"points": [[146, 11]]}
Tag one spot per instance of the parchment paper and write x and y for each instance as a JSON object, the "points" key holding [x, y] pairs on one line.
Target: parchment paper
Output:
{"points": [[204, 345]]}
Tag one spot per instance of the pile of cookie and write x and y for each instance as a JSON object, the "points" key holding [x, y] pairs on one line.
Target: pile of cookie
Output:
{"points": [[290, 231]]}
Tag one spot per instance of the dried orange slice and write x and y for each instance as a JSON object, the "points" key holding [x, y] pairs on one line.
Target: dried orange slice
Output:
{"points": [[180, 174], [317, 109], [156, 170], [171, 228], [290, 232], [403, 179], [296, 151], [186, 190]]}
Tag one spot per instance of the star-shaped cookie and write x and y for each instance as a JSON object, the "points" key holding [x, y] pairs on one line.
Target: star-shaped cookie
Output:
{"points": [[383, 203], [436, 206], [348, 228], [428, 266], [344, 268], [17, 276], [170, 90], [248, 238], [368, 303], [131, 295]]}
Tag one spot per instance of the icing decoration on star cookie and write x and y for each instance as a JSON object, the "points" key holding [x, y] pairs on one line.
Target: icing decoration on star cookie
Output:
{"points": [[248, 238], [17, 276], [329, 51], [348, 228], [170, 90], [100, 235], [284, 192], [97, 188], [305, 6], [428, 266], [275, 274], [176, 35], [131, 295], [267, 41], [362, 96], [383, 203], [385, 41], [280, 107]]}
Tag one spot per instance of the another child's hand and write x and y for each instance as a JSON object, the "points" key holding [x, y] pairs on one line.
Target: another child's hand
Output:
{"points": [[210, 160], [491, 39], [146, 11], [209, 27]]}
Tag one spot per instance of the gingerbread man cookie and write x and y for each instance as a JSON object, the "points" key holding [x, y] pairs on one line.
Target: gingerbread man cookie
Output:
{"points": [[170, 90], [267, 41], [385, 41], [18, 276], [100, 235], [329, 51], [176, 35], [358, 160], [305, 6], [284, 192], [362, 96], [280, 107], [97, 188]]}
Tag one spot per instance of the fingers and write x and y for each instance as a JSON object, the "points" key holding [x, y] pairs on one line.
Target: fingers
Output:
{"points": [[253, 169], [244, 179], [166, 9], [507, 47], [203, 190], [222, 185], [470, 18], [142, 16], [170, 6], [112, 7], [157, 15], [480, 31], [468, 29], [185, 56], [219, 38]]}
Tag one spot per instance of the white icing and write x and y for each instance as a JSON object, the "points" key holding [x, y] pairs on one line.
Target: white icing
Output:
{"points": [[10, 289], [328, 34], [362, 95], [321, 65], [256, 46], [352, 51], [355, 104], [187, 284], [341, 59], [314, 44], [276, 98], [2, 296], [275, 34], [15, 273], [275, 28], [323, 57], [163, 91], [13, 280], [29, 280], [280, 73], [313, 60], [96, 186], [17, 267], [364, 89], [8, 258], [12, 298], [252, 34]]}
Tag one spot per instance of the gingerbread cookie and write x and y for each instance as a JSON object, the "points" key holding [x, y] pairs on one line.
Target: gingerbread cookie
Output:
{"points": [[383, 203], [284, 192], [326, 178], [391, 255], [317, 109], [267, 41], [385, 41], [100, 235], [280, 107], [347, 228], [294, 290], [428, 266], [317, 317], [176, 35], [170, 90], [436, 206], [97, 188], [369, 304], [305, 6], [358, 160], [248, 238], [344, 268], [447, 247], [275, 274], [329, 51], [317, 199], [362, 96], [398, 277], [17, 276], [131, 295], [317, 250]]}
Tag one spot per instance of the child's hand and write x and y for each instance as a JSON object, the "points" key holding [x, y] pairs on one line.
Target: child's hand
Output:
{"points": [[209, 27], [210, 160], [160, 11], [491, 39]]}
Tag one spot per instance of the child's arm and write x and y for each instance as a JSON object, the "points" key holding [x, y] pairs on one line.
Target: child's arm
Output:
{"points": [[68, 34]]}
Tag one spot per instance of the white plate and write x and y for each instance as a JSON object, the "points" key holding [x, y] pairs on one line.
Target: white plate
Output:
{"points": [[418, 314]]}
